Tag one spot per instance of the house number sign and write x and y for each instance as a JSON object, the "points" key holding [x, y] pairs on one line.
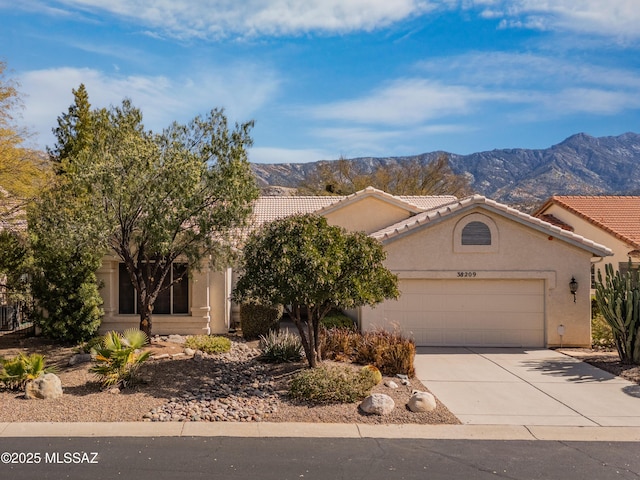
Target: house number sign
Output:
{"points": [[467, 274]]}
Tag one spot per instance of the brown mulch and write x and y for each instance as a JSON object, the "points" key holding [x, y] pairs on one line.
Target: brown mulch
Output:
{"points": [[85, 401]]}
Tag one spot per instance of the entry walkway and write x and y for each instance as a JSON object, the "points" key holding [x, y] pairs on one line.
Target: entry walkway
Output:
{"points": [[510, 386]]}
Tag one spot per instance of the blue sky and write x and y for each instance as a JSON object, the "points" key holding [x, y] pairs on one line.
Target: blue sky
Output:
{"points": [[330, 78]]}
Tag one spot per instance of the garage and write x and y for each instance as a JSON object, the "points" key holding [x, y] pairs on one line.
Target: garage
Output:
{"points": [[467, 312]]}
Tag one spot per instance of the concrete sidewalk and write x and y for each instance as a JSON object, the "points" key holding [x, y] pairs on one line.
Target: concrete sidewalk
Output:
{"points": [[533, 387]]}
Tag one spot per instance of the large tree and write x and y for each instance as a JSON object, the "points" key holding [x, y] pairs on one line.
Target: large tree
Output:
{"points": [[309, 266], [408, 177], [157, 198], [23, 172], [66, 240]]}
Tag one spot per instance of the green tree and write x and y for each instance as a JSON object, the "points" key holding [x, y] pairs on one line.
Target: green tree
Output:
{"points": [[74, 130], [65, 259], [23, 172], [409, 177], [618, 298], [306, 264], [14, 265], [157, 198]]}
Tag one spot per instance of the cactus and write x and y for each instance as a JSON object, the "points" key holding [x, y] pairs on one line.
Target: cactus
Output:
{"points": [[618, 298]]}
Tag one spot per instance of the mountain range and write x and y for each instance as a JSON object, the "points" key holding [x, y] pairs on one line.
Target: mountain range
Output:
{"points": [[580, 165]]}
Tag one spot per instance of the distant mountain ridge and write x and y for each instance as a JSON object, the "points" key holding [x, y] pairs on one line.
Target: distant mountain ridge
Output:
{"points": [[580, 165]]}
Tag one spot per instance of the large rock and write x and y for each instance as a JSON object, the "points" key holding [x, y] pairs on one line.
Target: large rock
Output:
{"points": [[421, 402], [46, 387], [378, 404]]}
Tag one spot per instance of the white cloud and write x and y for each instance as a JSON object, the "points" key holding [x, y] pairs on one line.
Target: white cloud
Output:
{"points": [[611, 18], [241, 90], [550, 86], [207, 18], [406, 102], [464, 93]]}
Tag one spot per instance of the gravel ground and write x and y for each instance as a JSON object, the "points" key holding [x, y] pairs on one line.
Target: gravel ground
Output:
{"points": [[230, 387]]}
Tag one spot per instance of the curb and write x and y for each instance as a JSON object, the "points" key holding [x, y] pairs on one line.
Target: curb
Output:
{"points": [[321, 430]]}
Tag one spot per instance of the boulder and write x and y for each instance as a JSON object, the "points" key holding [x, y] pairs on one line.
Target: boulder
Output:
{"points": [[378, 404], [390, 384], [189, 351], [46, 387], [421, 402], [79, 358]]}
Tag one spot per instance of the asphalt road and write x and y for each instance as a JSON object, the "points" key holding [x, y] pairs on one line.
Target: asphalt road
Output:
{"points": [[313, 458]]}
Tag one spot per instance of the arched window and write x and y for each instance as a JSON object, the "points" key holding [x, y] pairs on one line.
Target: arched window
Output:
{"points": [[476, 233]]}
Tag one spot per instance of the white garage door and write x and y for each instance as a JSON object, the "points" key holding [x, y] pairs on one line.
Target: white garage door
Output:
{"points": [[466, 312]]}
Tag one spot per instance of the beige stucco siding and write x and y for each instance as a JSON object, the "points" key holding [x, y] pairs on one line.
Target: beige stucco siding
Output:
{"points": [[522, 254], [366, 215]]}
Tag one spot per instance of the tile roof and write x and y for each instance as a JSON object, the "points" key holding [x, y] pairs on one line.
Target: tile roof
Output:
{"points": [[618, 215], [440, 213], [268, 208]]}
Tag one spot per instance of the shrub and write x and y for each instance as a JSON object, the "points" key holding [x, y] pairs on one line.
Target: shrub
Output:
{"points": [[601, 333], [257, 320], [389, 351], [16, 372], [89, 345], [337, 320], [281, 347], [340, 344], [332, 384], [117, 357], [208, 344]]}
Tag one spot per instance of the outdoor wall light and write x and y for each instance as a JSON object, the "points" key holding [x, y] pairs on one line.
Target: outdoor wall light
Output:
{"points": [[573, 287]]}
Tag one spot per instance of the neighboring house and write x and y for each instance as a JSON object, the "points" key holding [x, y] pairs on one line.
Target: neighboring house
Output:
{"points": [[472, 272], [613, 221]]}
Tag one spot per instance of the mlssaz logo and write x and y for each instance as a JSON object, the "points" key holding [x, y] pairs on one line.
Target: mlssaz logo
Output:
{"points": [[71, 457]]}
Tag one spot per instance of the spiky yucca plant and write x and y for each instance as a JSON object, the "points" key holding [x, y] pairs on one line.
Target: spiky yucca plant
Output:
{"points": [[117, 357]]}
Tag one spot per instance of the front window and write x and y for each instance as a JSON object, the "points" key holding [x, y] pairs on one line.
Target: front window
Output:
{"points": [[174, 300]]}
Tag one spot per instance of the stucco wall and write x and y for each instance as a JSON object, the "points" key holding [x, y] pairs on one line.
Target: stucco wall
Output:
{"points": [[368, 215], [522, 253], [191, 324]]}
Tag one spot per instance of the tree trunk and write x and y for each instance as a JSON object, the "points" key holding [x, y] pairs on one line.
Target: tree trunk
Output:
{"points": [[307, 346], [145, 320]]}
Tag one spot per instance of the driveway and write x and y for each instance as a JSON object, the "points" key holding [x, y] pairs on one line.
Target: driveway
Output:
{"points": [[511, 386]]}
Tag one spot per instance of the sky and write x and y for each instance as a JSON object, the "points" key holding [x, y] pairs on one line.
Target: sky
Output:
{"points": [[329, 78]]}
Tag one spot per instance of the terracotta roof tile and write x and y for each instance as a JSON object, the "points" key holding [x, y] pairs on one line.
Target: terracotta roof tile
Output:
{"points": [[618, 215]]}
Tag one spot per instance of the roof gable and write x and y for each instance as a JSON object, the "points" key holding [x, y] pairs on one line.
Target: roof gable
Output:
{"points": [[459, 207], [268, 208], [617, 215]]}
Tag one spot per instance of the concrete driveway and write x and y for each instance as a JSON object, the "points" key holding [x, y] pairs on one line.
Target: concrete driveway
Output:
{"points": [[511, 386]]}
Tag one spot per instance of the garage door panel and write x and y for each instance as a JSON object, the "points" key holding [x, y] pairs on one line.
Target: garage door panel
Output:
{"points": [[467, 312]]}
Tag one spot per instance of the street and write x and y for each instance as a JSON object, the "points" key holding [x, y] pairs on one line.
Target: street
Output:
{"points": [[313, 458]]}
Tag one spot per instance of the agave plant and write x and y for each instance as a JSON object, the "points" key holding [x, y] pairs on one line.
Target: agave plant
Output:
{"points": [[118, 357], [17, 371]]}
